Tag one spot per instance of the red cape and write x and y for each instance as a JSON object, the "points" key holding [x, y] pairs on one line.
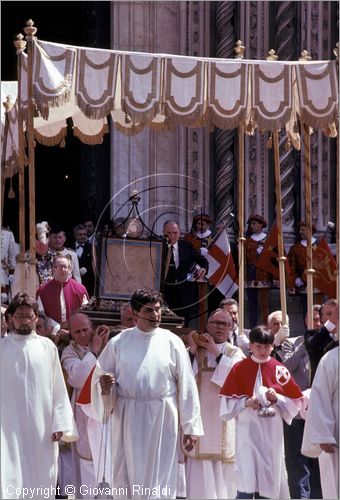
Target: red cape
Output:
{"points": [[241, 379]]}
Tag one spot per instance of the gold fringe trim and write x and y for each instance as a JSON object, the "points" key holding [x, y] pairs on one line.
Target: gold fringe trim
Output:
{"points": [[134, 129], [50, 141], [325, 124], [44, 103], [141, 117], [186, 120], [95, 113], [227, 122], [271, 124], [91, 139]]}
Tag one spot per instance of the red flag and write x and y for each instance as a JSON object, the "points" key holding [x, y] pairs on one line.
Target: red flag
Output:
{"points": [[268, 259], [325, 269], [222, 272]]}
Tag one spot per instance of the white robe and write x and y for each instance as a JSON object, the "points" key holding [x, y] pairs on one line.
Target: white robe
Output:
{"points": [[78, 361], [34, 404], [155, 394], [322, 422], [260, 464], [214, 478]]}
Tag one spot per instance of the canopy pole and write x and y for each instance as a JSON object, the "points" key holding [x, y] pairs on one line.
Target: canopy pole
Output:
{"points": [[282, 257], [20, 45], [30, 31], [239, 54], [308, 195], [241, 238]]}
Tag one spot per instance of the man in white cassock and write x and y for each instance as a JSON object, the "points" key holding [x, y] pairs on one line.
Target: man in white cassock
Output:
{"points": [[154, 396], [35, 408], [321, 433], [210, 465], [78, 361]]}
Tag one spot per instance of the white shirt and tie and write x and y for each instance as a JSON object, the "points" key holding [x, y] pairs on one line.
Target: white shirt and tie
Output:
{"points": [[79, 249]]}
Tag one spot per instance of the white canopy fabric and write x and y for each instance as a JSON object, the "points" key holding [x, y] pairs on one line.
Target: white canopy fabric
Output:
{"points": [[162, 91]]}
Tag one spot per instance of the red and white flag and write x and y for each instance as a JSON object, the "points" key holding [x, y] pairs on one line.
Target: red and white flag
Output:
{"points": [[222, 271]]}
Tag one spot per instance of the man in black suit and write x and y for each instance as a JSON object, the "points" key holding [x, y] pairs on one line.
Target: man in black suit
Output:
{"points": [[183, 266], [84, 253], [318, 340]]}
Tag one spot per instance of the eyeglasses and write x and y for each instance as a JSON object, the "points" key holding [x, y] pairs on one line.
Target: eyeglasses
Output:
{"points": [[219, 323], [24, 316]]}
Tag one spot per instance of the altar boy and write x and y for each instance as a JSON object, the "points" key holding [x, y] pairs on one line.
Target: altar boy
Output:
{"points": [[259, 392]]}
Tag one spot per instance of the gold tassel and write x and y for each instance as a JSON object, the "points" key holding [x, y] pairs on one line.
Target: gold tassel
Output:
{"points": [[11, 193], [296, 128], [287, 145], [250, 128], [269, 144], [127, 118]]}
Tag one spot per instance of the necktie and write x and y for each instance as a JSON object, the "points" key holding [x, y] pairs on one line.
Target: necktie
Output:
{"points": [[170, 267]]}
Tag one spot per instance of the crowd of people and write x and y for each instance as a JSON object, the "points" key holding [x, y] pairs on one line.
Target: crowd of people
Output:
{"points": [[137, 411]]}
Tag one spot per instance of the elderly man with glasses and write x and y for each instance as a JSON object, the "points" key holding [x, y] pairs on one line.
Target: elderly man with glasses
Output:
{"points": [[211, 465]]}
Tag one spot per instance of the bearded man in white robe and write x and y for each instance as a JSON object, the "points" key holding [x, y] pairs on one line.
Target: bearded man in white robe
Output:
{"points": [[210, 466], [154, 395], [321, 433], [35, 408]]}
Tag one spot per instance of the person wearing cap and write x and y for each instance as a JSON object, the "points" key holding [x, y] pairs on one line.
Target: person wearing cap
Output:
{"points": [[200, 234], [257, 281], [56, 242], [297, 257]]}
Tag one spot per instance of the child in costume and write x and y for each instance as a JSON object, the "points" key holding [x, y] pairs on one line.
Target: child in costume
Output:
{"points": [[259, 392]]}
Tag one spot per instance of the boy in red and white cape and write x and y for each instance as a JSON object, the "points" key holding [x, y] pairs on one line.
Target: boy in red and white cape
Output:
{"points": [[259, 392]]}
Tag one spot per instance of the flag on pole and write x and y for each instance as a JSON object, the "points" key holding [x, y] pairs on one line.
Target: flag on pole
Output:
{"points": [[325, 269], [222, 271], [268, 259]]}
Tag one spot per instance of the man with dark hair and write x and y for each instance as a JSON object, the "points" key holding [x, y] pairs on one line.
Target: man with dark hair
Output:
{"points": [[182, 268], [91, 231], [56, 242], [85, 258], [316, 341], [35, 409], [259, 393], [237, 338], [154, 394]]}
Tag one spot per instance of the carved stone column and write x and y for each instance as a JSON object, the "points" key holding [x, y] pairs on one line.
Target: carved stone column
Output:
{"points": [[318, 25], [177, 160], [254, 32], [225, 139], [286, 49], [95, 160]]}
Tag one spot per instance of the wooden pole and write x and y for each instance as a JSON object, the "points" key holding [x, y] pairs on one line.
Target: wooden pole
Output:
{"points": [[30, 31], [278, 197], [241, 238], [239, 54], [308, 195], [20, 45]]}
